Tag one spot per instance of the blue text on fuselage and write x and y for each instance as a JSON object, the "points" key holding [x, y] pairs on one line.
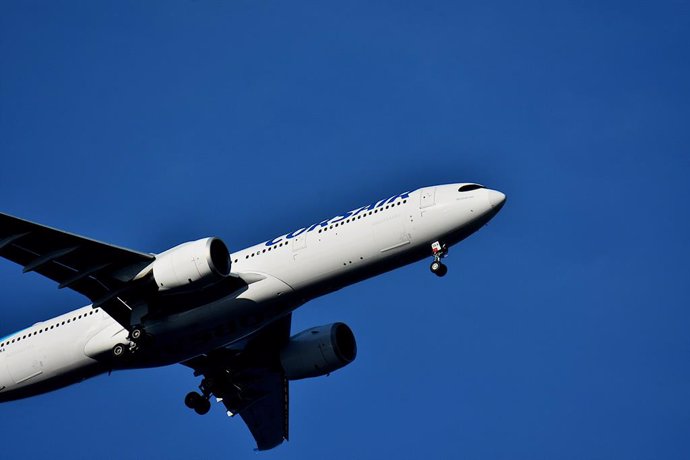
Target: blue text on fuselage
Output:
{"points": [[338, 218]]}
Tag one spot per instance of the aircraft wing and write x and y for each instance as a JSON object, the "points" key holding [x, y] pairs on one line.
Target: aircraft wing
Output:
{"points": [[100, 271], [250, 382]]}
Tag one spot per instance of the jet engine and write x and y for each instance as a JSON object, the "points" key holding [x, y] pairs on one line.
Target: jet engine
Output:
{"points": [[198, 262], [318, 351]]}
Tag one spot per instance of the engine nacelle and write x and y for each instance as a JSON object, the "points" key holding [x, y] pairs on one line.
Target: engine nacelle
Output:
{"points": [[318, 351], [198, 262]]}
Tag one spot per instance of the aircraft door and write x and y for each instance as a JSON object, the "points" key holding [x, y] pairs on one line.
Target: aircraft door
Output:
{"points": [[299, 244], [427, 197]]}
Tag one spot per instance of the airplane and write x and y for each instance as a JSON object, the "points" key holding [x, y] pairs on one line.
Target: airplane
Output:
{"points": [[226, 316]]}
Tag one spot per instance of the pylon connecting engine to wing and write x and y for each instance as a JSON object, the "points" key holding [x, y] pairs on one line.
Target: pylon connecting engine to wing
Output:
{"points": [[318, 351], [200, 262]]}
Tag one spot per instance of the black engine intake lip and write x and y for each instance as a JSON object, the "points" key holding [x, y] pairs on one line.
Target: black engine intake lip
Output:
{"points": [[219, 256], [344, 341]]}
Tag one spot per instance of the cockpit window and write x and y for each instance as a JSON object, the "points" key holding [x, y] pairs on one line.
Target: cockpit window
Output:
{"points": [[469, 187]]}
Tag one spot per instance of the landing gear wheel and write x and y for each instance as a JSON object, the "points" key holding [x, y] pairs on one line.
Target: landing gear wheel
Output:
{"points": [[203, 406], [198, 403], [136, 334], [119, 351], [438, 269], [192, 399], [438, 250]]}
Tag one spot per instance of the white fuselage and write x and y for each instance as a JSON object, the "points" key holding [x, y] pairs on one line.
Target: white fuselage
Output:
{"points": [[281, 275]]}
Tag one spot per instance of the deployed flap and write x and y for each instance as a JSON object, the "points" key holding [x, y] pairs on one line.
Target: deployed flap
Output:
{"points": [[266, 411], [99, 271], [251, 382]]}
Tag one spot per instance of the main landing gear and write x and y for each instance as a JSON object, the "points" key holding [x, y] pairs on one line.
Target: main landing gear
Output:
{"points": [[119, 351], [137, 339], [137, 334], [200, 403], [439, 250]]}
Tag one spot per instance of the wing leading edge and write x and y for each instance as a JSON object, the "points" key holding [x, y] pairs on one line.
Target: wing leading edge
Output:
{"points": [[110, 276], [249, 380], [100, 271]]}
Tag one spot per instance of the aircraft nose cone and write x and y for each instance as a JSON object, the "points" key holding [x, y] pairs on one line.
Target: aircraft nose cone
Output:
{"points": [[496, 199]]}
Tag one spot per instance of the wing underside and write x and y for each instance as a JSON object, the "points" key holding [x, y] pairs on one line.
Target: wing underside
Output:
{"points": [[248, 380], [251, 383], [100, 271], [106, 274]]}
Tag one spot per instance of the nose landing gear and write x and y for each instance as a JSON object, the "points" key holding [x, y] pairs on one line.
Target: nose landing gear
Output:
{"points": [[439, 250], [438, 269]]}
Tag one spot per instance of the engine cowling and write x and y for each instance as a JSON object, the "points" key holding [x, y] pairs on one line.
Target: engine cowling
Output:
{"points": [[318, 351], [198, 262]]}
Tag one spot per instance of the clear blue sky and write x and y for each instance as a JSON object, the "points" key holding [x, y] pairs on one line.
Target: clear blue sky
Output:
{"points": [[561, 330]]}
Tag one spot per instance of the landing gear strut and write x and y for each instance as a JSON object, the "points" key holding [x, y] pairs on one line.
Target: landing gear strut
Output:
{"points": [[439, 250]]}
